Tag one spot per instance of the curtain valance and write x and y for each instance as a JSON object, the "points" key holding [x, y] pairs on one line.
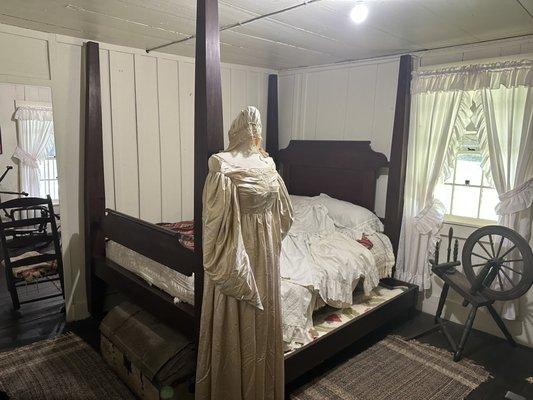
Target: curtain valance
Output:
{"points": [[474, 77], [34, 113]]}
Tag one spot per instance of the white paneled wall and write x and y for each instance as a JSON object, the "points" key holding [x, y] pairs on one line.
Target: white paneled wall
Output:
{"points": [[148, 124], [353, 101]]}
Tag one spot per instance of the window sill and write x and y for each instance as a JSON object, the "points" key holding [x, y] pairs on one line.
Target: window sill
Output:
{"points": [[468, 222]]}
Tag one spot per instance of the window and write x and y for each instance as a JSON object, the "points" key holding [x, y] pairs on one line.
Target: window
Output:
{"points": [[467, 194], [48, 182]]}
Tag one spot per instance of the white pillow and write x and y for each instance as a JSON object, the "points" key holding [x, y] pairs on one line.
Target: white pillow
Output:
{"points": [[297, 201], [310, 217], [351, 216]]}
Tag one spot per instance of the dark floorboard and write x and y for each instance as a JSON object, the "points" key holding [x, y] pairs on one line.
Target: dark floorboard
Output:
{"points": [[33, 321]]}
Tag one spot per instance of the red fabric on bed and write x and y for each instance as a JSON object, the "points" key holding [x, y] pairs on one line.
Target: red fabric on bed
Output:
{"points": [[365, 241], [185, 230]]}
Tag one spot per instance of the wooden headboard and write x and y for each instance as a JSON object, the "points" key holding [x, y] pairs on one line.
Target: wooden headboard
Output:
{"points": [[346, 170]]}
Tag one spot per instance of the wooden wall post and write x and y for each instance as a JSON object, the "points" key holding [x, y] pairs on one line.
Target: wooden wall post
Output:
{"points": [[208, 125], [94, 189], [398, 155], [272, 136]]}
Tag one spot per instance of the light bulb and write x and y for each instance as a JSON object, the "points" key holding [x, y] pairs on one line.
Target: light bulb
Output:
{"points": [[359, 13]]}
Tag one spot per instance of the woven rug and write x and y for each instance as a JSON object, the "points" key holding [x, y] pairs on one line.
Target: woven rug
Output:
{"points": [[61, 368], [397, 369]]}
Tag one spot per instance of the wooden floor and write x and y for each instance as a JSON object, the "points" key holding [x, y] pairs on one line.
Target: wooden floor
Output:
{"points": [[510, 367], [34, 321]]}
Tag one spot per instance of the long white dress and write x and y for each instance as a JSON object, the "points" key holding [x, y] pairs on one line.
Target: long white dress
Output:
{"points": [[246, 214]]}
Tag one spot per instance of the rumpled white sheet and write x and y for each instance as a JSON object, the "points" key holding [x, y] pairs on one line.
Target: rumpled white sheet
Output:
{"points": [[320, 264]]}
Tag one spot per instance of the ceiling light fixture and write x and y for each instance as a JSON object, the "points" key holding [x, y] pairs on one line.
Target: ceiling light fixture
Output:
{"points": [[359, 13]]}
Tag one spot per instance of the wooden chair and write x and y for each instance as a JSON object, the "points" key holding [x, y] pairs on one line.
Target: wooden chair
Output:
{"points": [[26, 233]]}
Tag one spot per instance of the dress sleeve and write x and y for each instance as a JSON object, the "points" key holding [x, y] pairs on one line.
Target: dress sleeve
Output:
{"points": [[225, 258], [285, 208]]}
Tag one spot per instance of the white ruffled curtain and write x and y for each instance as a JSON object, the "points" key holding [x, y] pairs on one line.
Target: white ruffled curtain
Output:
{"points": [[35, 128], [505, 129], [433, 122]]}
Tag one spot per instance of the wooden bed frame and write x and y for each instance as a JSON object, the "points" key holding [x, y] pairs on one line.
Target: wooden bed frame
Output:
{"points": [[345, 170]]}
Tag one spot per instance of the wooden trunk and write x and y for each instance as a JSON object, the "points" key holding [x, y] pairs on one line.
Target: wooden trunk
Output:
{"points": [[153, 360]]}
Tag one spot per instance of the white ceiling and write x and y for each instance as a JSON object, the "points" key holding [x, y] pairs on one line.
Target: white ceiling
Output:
{"points": [[317, 33]]}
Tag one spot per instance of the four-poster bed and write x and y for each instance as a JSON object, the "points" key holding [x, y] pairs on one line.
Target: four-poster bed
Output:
{"points": [[345, 170]]}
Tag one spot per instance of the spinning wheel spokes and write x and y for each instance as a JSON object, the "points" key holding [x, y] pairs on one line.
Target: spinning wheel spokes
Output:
{"points": [[486, 251], [480, 256], [498, 278], [509, 268], [499, 247], [507, 252]]}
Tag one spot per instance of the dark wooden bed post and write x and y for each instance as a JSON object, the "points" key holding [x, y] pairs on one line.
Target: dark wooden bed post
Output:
{"points": [[398, 154], [94, 188], [208, 125], [272, 135]]}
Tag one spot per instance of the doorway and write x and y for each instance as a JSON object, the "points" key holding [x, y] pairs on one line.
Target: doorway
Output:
{"points": [[28, 168]]}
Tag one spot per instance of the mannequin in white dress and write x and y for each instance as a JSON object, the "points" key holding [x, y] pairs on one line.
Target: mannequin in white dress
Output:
{"points": [[246, 214]]}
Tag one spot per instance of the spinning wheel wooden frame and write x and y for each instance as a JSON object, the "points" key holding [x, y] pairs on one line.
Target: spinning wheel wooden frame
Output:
{"points": [[497, 277], [482, 282]]}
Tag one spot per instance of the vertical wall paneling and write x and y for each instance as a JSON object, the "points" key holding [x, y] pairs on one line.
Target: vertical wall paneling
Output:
{"points": [[45, 94], [253, 89], [351, 102], [31, 93], [300, 93], [331, 101], [310, 111], [124, 132], [384, 106], [238, 91], [148, 112], [360, 109], [107, 130], [169, 131], [149, 157], [186, 100]]}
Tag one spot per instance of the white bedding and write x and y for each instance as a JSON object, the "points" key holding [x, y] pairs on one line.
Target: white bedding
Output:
{"points": [[179, 286], [320, 264]]}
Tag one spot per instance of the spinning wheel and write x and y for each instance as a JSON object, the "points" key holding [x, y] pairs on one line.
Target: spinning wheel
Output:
{"points": [[497, 264]]}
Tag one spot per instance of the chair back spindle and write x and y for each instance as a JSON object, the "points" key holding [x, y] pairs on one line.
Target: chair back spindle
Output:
{"points": [[25, 242]]}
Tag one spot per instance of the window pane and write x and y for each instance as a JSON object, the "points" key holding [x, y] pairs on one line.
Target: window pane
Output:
{"points": [[468, 169], [489, 199], [444, 194], [449, 179], [465, 201]]}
